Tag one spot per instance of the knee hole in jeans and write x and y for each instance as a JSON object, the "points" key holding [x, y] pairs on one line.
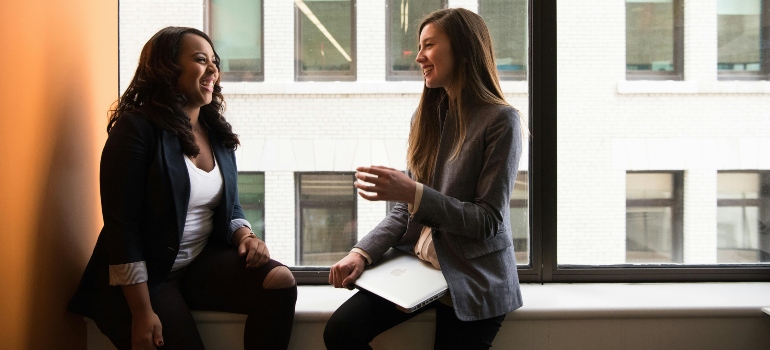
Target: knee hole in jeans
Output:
{"points": [[279, 277]]}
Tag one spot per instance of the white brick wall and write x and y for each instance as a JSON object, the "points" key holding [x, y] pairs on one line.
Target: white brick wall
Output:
{"points": [[139, 20], [700, 236], [279, 40], [700, 40], [370, 40], [280, 223], [606, 125]]}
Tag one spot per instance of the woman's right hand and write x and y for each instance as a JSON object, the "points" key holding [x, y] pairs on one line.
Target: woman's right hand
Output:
{"points": [[146, 331], [346, 271]]}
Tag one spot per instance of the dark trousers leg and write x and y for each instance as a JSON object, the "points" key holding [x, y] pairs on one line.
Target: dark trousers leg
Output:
{"points": [[452, 333], [360, 319], [178, 326], [218, 280], [179, 329]]}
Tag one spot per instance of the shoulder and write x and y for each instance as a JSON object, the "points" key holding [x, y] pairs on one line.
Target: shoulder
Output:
{"points": [[133, 123], [497, 115]]}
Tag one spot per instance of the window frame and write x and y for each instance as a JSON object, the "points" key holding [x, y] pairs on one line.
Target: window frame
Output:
{"points": [[351, 75], [264, 235], [313, 204], [764, 51], [542, 121], [390, 74], [239, 76], [676, 203], [510, 75], [678, 72], [761, 203]]}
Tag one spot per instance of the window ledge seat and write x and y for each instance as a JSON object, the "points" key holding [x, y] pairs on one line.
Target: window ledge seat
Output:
{"points": [[554, 316]]}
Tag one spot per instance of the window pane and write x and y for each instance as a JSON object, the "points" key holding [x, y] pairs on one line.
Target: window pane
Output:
{"points": [[742, 218], [647, 173], [520, 218], [236, 30], [650, 35], [739, 35], [328, 227], [251, 191], [650, 218], [507, 23], [404, 19], [325, 37]]}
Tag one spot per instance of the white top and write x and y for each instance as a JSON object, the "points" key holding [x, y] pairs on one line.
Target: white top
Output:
{"points": [[205, 194]]}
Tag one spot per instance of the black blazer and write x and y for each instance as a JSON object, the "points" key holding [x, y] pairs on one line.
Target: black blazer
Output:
{"points": [[145, 190]]}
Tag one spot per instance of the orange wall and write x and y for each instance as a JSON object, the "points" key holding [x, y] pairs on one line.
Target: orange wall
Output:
{"points": [[58, 77]]}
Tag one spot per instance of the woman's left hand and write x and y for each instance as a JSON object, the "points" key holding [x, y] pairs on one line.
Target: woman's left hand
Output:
{"points": [[386, 184], [255, 251]]}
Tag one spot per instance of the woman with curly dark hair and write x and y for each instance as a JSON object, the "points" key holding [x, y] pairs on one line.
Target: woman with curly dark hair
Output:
{"points": [[175, 237]]}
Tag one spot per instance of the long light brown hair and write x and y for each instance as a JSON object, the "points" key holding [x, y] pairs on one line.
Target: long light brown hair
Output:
{"points": [[475, 82]]}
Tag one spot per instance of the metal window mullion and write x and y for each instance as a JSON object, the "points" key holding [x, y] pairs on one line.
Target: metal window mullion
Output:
{"points": [[542, 124]]}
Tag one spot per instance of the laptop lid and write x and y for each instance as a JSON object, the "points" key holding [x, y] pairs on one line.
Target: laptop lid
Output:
{"points": [[404, 280]]}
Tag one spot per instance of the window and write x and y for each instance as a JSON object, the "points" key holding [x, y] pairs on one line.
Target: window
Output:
{"points": [[588, 136], [235, 27], [404, 17], [389, 207], [325, 40], [520, 218], [741, 34], [326, 205], [653, 217], [507, 23], [634, 197], [251, 191], [742, 217], [654, 39]]}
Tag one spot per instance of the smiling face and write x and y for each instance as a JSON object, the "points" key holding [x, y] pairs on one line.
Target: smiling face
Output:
{"points": [[199, 72], [435, 57]]}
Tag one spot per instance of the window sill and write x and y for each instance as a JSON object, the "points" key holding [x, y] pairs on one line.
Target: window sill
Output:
{"points": [[554, 316], [343, 87], [630, 87], [578, 301]]}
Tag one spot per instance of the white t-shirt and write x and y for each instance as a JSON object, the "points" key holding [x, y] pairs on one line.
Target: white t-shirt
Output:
{"points": [[205, 194]]}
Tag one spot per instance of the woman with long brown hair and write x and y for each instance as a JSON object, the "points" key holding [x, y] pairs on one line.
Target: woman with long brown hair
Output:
{"points": [[453, 211], [175, 237]]}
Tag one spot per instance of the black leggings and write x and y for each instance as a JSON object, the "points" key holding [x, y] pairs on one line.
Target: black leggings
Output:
{"points": [[364, 316], [217, 280]]}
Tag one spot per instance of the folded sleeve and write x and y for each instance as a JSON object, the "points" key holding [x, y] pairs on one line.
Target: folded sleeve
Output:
{"points": [[125, 163]]}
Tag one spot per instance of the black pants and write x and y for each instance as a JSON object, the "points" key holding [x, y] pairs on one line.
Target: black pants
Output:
{"points": [[217, 280], [364, 316]]}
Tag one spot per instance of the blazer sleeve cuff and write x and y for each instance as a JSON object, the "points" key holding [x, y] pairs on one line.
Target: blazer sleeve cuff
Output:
{"points": [[235, 224], [363, 253], [126, 274], [412, 208]]}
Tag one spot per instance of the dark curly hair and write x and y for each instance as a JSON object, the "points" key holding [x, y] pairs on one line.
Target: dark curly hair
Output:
{"points": [[153, 92]]}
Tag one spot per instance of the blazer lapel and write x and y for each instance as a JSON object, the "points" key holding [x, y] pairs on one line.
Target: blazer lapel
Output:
{"points": [[229, 178], [179, 178]]}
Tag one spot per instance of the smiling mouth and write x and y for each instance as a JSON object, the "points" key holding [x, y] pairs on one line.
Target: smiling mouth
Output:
{"points": [[208, 84], [425, 71]]}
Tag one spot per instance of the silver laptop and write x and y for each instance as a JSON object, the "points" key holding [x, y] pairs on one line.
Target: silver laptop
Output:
{"points": [[404, 280]]}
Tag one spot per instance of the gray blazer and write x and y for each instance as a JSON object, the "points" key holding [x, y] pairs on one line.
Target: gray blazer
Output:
{"points": [[467, 206]]}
